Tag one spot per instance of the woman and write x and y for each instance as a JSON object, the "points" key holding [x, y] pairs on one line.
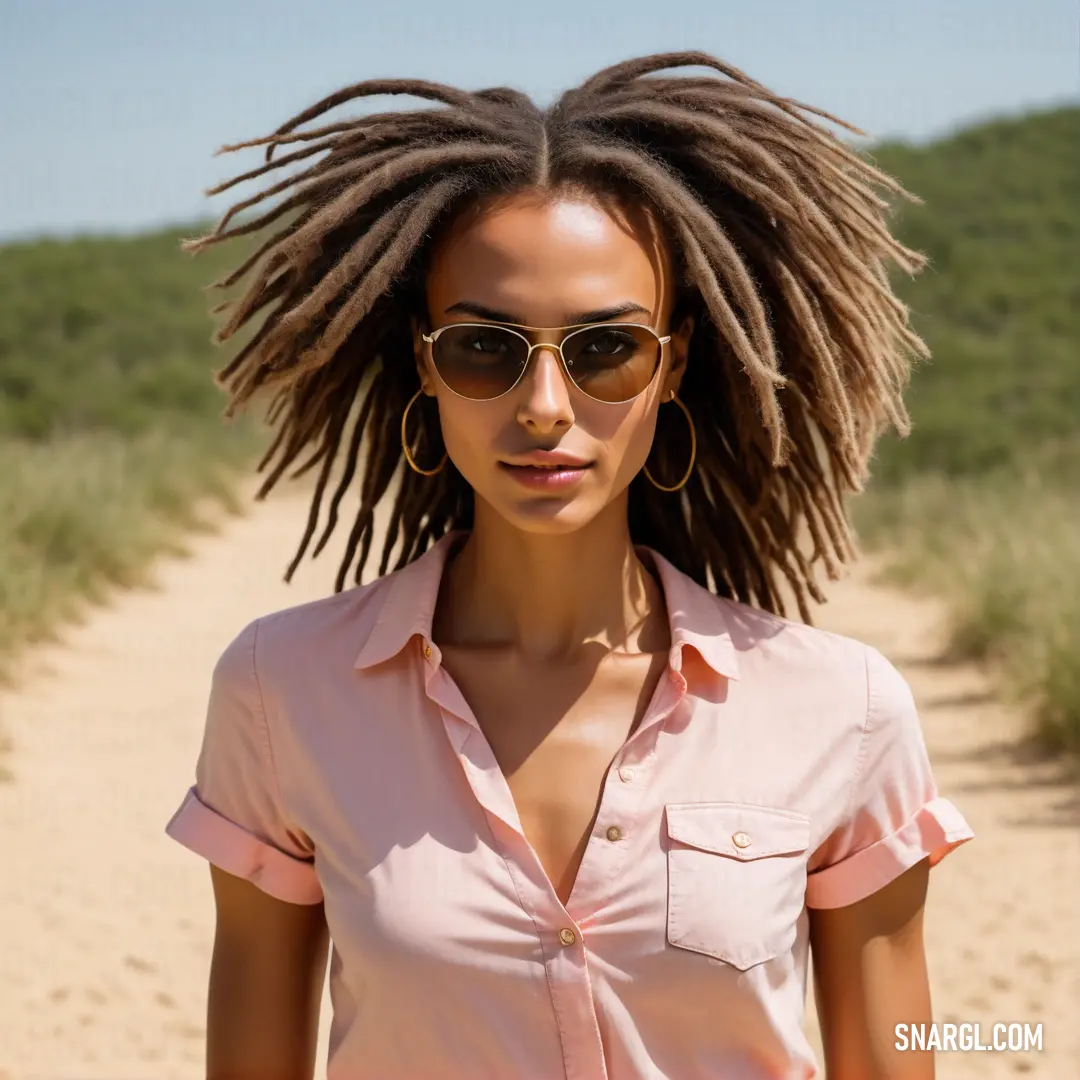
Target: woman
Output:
{"points": [[569, 795]]}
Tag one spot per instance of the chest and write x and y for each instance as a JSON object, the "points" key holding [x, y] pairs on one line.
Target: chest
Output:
{"points": [[554, 732]]}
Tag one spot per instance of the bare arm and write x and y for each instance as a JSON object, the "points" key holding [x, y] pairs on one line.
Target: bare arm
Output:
{"points": [[870, 975], [266, 981]]}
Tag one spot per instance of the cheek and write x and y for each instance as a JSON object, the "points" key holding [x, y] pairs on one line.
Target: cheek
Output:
{"points": [[469, 428], [621, 435]]}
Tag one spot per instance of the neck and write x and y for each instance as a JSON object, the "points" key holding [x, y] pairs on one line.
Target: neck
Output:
{"points": [[549, 596]]}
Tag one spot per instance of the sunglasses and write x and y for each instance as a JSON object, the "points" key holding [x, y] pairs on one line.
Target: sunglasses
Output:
{"points": [[609, 362]]}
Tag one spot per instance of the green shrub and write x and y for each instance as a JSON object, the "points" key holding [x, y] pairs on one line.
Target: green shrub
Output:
{"points": [[111, 426], [84, 511], [982, 502], [1005, 554]]}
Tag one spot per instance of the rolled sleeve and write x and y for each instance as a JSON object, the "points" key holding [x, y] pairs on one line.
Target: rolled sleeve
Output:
{"points": [[895, 817], [234, 816]]}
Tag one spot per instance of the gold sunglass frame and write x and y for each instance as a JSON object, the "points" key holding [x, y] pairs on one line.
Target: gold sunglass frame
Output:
{"points": [[556, 346]]}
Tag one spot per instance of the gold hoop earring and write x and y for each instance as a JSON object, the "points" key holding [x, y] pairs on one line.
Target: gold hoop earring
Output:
{"points": [[405, 442], [693, 451]]}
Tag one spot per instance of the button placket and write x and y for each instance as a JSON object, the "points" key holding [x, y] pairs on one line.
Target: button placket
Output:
{"points": [[564, 950], [620, 804], [574, 1006]]}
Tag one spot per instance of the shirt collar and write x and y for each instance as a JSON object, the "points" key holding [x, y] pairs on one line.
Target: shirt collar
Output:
{"points": [[408, 606], [696, 616]]}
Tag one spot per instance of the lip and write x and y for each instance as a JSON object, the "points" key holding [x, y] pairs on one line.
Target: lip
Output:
{"points": [[539, 478], [548, 458], [546, 470]]}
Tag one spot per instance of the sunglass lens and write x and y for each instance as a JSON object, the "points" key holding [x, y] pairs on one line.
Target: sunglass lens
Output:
{"points": [[479, 362], [612, 362]]}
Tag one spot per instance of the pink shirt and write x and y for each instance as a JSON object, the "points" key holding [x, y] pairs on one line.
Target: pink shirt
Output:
{"points": [[778, 767]]}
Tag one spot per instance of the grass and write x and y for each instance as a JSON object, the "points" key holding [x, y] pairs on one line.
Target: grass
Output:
{"points": [[1005, 554], [982, 502], [110, 423], [88, 511]]}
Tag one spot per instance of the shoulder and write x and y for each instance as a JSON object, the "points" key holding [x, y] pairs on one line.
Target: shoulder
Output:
{"points": [[790, 654], [834, 699], [317, 630], [776, 639]]}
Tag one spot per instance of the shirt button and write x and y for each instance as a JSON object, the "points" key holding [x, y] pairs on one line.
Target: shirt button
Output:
{"points": [[614, 833], [626, 774], [427, 652], [567, 936], [740, 840]]}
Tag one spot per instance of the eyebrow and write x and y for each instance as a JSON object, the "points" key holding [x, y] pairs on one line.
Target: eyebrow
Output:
{"points": [[467, 307]]}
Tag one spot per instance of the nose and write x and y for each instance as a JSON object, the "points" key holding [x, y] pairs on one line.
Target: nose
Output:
{"points": [[545, 402]]}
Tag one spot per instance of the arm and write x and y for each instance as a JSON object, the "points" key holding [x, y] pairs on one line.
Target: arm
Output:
{"points": [[870, 975], [266, 982], [867, 889], [270, 946]]}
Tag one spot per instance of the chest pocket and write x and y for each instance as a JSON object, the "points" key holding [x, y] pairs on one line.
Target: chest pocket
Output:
{"points": [[736, 879]]}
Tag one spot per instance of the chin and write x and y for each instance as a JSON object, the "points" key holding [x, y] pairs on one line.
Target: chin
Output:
{"points": [[549, 517]]}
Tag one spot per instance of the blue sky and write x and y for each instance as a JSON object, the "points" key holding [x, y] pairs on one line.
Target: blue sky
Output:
{"points": [[112, 109]]}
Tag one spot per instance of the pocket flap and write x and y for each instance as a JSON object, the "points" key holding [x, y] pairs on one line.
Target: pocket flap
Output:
{"points": [[738, 830]]}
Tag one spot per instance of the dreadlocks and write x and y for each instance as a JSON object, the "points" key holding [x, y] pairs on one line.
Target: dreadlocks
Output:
{"points": [[797, 363]]}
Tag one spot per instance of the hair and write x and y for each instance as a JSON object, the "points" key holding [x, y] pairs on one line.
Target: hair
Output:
{"points": [[797, 363]]}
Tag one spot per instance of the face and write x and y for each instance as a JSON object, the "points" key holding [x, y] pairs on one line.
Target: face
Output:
{"points": [[549, 263]]}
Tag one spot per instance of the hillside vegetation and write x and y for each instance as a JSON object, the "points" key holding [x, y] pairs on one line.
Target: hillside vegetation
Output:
{"points": [[999, 303], [982, 500], [110, 424]]}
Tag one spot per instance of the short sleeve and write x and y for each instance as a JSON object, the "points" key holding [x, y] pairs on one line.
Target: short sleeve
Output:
{"points": [[895, 816], [233, 815]]}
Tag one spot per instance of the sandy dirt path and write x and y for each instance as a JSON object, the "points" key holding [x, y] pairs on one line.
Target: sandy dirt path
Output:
{"points": [[106, 924]]}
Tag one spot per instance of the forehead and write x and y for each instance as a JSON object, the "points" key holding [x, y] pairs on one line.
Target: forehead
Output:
{"points": [[542, 259]]}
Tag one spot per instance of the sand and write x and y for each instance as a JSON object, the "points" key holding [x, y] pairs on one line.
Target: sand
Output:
{"points": [[106, 925]]}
